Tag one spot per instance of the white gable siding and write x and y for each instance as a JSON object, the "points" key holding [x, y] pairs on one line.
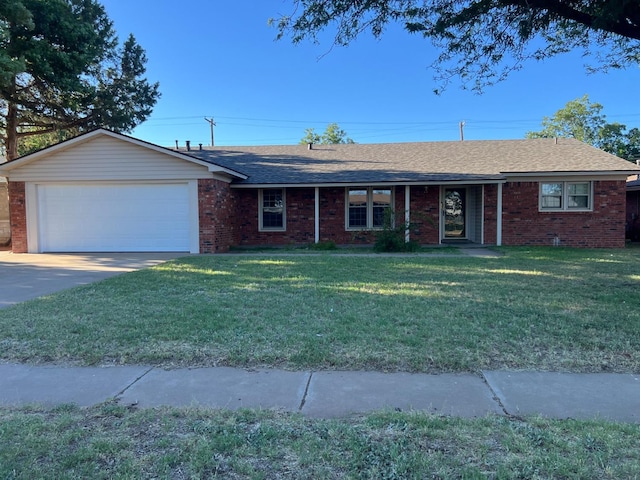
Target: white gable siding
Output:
{"points": [[106, 158]]}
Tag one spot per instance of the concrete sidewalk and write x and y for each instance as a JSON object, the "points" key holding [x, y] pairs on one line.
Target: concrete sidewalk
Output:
{"points": [[330, 394]]}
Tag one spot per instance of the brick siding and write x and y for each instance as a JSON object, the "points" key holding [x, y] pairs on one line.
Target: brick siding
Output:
{"points": [[229, 217], [299, 218], [524, 224], [18, 217], [216, 207]]}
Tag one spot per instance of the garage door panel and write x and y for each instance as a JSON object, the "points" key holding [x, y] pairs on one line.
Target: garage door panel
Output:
{"points": [[104, 218]]}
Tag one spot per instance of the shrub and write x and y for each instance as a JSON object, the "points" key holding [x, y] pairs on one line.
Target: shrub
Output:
{"points": [[392, 237]]}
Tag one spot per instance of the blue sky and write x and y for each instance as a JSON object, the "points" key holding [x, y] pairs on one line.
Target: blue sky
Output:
{"points": [[219, 59]]}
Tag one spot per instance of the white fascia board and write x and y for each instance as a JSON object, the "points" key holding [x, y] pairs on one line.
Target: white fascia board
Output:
{"points": [[367, 184], [623, 174]]}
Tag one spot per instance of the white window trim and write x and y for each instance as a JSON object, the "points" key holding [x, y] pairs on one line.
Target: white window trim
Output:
{"points": [[565, 197], [369, 207], [261, 228]]}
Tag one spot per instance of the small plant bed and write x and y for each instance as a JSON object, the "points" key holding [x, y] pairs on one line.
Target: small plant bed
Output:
{"points": [[548, 308], [120, 443]]}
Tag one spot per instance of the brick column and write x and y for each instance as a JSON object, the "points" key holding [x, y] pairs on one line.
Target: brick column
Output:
{"points": [[18, 217], [215, 210]]}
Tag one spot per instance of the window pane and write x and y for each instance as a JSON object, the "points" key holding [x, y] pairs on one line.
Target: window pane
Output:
{"points": [[551, 195], [272, 209], [578, 189], [382, 198], [581, 201], [358, 217], [552, 189], [381, 203], [357, 208], [551, 202], [357, 198]]}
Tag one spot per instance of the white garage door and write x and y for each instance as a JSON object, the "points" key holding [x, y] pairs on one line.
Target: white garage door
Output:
{"points": [[113, 218]]}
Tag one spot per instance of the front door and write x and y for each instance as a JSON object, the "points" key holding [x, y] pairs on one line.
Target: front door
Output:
{"points": [[455, 213]]}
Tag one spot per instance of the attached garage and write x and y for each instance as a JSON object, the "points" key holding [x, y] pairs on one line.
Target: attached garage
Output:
{"points": [[113, 218], [106, 192]]}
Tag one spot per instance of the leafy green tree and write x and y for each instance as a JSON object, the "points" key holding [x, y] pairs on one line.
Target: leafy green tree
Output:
{"points": [[310, 136], [333, 134], [62, 71], [585, 121], [482, 41]]}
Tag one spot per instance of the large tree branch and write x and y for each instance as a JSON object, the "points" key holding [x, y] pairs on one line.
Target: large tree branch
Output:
{"points": [[626, 23]]}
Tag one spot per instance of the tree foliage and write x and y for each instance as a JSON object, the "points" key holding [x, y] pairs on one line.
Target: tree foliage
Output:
{"points": [[63, 71], [585, 121], [333, 134], [482, 41]]}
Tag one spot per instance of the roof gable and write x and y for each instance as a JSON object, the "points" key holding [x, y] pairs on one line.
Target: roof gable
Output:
{"points": [[109, 155]]}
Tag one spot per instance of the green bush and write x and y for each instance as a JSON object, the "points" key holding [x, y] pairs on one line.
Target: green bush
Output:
{"points": [[328, 245], [392, 237]]}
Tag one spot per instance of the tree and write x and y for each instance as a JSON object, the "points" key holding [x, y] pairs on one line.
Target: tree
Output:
{"points": [[62, 71], [482, 41], [333, 134], [585, 121]]}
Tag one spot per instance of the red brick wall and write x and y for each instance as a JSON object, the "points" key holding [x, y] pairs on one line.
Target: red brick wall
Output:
{"points": [[424, 202], [18, 217], [490, 214], [300, 208], [332, 219], [300, 212], [523, 224], [216, 210]]}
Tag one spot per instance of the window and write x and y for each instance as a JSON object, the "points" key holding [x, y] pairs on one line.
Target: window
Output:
{"points": [[565, 196], [272, 211], [366, 207]]}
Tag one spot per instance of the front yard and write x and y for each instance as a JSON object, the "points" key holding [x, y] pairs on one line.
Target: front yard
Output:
{"points": [[549, 309]]}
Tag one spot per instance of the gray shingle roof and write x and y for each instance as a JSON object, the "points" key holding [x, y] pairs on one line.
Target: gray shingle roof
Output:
{"points": [[485, 160]]}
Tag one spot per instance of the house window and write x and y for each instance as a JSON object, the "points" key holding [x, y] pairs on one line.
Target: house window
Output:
{"points": [[366, 207], [565, 196], [272, 209]]}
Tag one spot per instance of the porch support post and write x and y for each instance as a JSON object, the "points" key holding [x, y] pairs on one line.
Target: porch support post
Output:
{"points": [[499, 217], [317, 215], [482, 216], [407, 195]]}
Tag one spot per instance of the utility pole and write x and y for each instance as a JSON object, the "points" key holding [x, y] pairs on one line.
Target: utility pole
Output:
{"points": [[211, 124], [462, 131]]}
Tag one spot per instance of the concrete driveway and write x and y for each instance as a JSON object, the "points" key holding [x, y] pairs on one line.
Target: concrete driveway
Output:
{"points": [[26, 276]]}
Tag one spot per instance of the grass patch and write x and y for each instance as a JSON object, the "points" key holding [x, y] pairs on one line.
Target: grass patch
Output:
{"points": [[545, 308], [110, 441]]}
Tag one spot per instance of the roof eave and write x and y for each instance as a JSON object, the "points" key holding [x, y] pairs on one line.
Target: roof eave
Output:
{"points": [[32, 157], [424, 183], [551, 173]]}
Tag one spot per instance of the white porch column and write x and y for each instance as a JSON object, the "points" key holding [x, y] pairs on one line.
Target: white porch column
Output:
{"points": [[499, 218], [317, 214], [407, 216], [482, 216]]}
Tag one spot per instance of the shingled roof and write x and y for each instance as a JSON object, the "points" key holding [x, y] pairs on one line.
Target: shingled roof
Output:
{"points": [[470, 161]]}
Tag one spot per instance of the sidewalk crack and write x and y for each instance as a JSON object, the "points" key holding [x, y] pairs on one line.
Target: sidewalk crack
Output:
{"points": [[136, 380], [306, 391], [495, 395]]}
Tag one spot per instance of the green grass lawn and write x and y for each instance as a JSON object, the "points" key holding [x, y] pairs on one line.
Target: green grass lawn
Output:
{"points": [[552, 309], [113, 442], [539, 308]]}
